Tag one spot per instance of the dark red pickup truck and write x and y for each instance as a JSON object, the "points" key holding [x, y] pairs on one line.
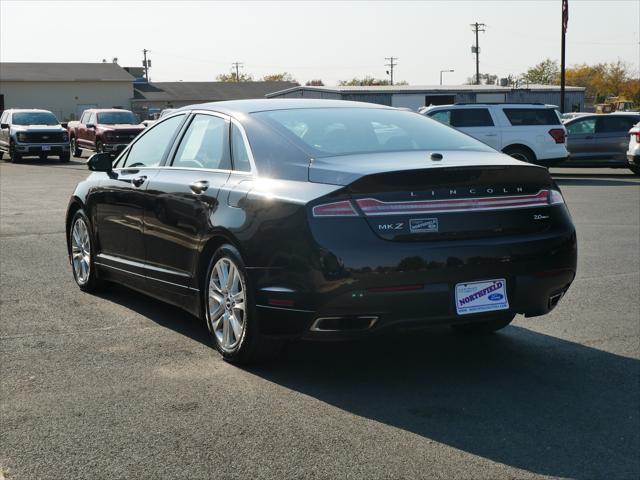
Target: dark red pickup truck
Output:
{"points": [[103, 130]]}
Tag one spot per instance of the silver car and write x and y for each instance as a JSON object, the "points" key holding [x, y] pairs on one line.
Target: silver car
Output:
{"points": [[599, 140], [633, 154]]}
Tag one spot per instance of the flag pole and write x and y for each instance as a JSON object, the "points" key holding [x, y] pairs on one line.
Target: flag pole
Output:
{"points": [[565, 19]]}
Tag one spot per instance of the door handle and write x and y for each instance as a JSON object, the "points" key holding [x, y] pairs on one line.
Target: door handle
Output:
{"points": [[138, 181], [199, 187]]}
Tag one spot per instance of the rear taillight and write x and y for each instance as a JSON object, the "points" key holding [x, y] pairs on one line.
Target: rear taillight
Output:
{"points": [[558, 134], [637, 135], [555, 197], [335, 209]]}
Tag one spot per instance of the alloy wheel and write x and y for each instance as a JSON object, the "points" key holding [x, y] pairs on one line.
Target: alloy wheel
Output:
{"points": [[226, 304], [81, 251]]}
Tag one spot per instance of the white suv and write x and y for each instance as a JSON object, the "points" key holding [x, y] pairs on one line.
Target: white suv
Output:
{"points": [[530, 132]]}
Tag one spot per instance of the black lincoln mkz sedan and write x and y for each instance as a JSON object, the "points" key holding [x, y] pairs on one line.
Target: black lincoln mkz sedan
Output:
{"points": [[276, 219]]}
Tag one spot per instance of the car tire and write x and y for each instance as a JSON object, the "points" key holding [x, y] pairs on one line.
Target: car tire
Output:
{"points": [[520, 153], [82, 253], [1, 154], [13, 156], [73, 146], [65, 157], [484, 327], [230, 312], [635, 169]]}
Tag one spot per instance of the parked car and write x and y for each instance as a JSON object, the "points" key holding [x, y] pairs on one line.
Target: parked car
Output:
{"points": [[569, 115], [32, 133], [103, 130], [599, 140], [529, 132], [633, 153], [297, 218]]}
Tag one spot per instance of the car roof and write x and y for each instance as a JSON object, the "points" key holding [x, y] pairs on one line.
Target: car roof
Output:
{"points": [[100, 110], [13, 110], [268, 104], [491, 104], [602, 115]]}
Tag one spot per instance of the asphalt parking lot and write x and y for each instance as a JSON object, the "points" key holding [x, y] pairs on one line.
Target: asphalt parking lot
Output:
{"points": [[123, 386]]}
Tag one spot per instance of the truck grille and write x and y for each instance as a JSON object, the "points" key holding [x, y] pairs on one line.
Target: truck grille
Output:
{"points": [[43, 137]]}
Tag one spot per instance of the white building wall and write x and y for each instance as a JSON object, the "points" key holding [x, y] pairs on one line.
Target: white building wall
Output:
{"points": [[407, 100], [66, 99]]}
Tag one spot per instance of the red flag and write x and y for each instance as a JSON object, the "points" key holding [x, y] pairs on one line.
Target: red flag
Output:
{"points": [[565, 15]]}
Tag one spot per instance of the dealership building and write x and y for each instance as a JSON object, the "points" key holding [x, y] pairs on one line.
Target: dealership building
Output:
{"points": [[66, 89], [415, 97]]}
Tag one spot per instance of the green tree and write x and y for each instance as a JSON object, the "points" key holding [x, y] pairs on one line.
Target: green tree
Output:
{"points": [[546, 72], [280, 77], [231, 77], [369, 80]]}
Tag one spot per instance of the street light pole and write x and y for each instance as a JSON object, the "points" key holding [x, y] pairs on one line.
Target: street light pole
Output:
{"points": [[444, 71]]}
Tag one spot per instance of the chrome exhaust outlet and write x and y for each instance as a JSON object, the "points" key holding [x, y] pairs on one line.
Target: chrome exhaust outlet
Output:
{"points": [[555, 299], [343, 324]]}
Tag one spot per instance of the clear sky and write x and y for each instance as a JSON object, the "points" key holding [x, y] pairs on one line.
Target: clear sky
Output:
{"points": [[195, 41]]}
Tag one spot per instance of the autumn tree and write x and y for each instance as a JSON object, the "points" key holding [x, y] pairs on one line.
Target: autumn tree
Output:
{"points": [[231, 77], [368, 80], [315, 83], [485, 79], [280, 77]]}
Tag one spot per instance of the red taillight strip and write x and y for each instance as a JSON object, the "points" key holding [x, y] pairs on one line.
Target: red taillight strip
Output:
{"points": [[372, 207], [335, 209]]}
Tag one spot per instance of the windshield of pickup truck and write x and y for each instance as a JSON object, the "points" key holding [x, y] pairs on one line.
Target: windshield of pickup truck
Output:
{"points": [[34, 118], [114, 118]]}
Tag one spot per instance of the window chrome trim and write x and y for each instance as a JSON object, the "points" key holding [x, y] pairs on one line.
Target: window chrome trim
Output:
{"points": [[247, 147]]}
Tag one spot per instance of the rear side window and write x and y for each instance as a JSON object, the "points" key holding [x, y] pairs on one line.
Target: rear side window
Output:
{"points": [[239, 151], [532, 116], [471, 117], [611, 124]]}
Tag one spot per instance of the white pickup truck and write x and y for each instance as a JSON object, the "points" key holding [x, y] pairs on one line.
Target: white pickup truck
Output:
{"points": [[527, 131]]}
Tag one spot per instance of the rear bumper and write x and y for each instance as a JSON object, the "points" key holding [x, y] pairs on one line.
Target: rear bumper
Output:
{"points": [[404, 283], [633, 159]]}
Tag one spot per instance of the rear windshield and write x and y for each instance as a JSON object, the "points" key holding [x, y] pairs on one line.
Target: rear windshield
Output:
{"points": [[343, 131], [114, 118], [532, 116], [34, 118]]}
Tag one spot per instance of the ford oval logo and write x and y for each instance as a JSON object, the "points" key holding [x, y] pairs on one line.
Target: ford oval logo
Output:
{"points": [[494, 297]]}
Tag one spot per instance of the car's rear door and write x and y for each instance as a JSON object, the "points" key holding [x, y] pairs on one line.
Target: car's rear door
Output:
{"points": [[611, 138], [580, 139], [183, 199], [119, 202]]}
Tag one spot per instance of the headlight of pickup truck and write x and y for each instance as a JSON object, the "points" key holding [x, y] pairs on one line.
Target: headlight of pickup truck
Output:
{"points": [[21, 136]]}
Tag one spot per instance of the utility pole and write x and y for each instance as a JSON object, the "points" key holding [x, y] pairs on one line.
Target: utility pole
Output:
{"points": [[477, 27], [237, 66], [146, 64], [391, 64], [565, 22]]}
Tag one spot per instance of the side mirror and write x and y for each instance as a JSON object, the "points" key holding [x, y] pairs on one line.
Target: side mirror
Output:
{"points": [[91, 125], [64, 125], [4, 126], [100, 162]]}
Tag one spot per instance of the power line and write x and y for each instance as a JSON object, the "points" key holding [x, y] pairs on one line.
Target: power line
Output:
{"points": [[237, 66], [391, 64], [477, 27]]}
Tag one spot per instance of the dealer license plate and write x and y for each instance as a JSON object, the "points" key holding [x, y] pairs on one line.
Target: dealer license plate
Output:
{"points": [[46, 148], [484, 296]]}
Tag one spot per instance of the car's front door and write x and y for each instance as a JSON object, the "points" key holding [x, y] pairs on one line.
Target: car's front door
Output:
{"points": [[184, 199], [120, 200], [612, 137], [81, 133], [4, 132], [580, 139]]}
